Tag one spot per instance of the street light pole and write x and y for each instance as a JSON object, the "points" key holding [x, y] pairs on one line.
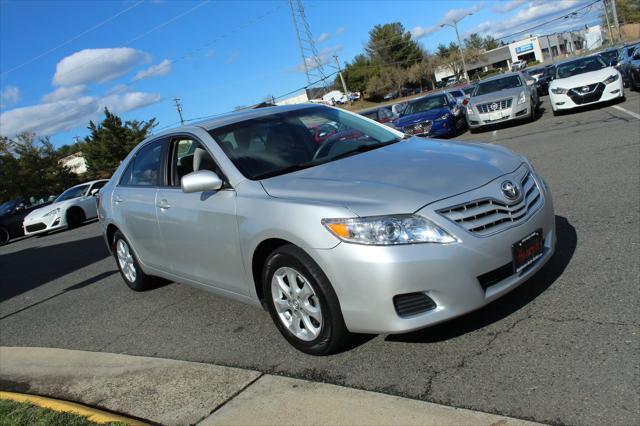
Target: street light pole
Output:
{"points": [[455, 27]]}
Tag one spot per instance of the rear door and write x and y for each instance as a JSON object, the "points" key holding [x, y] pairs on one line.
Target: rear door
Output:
{"points": [[200, 230], [134, 204]]}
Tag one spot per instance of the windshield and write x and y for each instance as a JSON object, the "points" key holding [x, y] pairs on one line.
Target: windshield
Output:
{"points": [[8, 206], [609, 55], [75, 192], [425, 104], [497, 85], [580, 66], [281, 143]]}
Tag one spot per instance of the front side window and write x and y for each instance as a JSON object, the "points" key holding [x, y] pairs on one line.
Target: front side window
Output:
{"points": [[98, 185], [71, 193], [187, 156], [145, 167], [425, 104], [580, 66], [284, 142], [498, 85]]}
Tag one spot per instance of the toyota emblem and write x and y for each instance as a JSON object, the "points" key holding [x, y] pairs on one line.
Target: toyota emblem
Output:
{"points": [[510, 190], [494, 106]]}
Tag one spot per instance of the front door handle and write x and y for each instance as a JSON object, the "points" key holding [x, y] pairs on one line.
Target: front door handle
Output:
{"points": [[164, 204], [118, 199]]}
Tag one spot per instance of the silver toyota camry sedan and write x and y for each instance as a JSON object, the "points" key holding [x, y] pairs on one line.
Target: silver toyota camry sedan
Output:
{"points": [[360, 229]]}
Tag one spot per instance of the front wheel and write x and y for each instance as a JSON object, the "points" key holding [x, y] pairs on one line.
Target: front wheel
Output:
{"points": [[4, 236], [129, 266], [302, 302], [75, 217]]}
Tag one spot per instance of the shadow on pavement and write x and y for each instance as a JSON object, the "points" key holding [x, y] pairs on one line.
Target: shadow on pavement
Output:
{"points": [[27, 269], [508, 304]]}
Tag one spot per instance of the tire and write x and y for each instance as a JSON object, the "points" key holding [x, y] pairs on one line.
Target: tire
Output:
{"points": [[556, 113], [127, 262], [474, 129], [313, 312], [4, 236], [75, 217]]}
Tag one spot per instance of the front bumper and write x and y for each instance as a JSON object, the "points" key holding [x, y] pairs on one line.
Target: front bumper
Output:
{"points": [[564, 102], [515, 112], [367, 278], [39, 225], [435, 128]]}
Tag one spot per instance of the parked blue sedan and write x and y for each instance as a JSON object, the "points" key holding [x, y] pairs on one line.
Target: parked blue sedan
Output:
{"points": [[438, 115]]}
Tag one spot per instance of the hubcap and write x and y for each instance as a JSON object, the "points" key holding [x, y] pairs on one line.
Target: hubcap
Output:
{"points": [[296, 303], [125, 260]]}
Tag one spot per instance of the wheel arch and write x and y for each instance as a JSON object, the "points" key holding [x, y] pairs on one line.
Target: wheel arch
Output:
{"points": [[260, 255]]}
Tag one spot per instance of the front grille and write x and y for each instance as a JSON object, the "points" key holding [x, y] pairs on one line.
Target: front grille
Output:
{"points": [[487, 216], [36, 227], [418, 128], [412, 304], [592, 94], [489, 106], [495, 276]]}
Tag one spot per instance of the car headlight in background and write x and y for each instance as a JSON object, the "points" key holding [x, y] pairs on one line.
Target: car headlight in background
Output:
{"points": [[559, 91], [469, 109], [522, 98], [611, 79], [52, 212], [388, 230]]}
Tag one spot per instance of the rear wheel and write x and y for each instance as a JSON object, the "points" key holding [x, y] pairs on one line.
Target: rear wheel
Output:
{"points": [[75, 217], [4, 236], [129, 266], [302, 302]]}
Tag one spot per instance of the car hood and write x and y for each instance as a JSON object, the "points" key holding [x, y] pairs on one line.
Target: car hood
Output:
{"points": [[398, 178], [583, 79], [496, 96], [41, 211], [432, 114]]}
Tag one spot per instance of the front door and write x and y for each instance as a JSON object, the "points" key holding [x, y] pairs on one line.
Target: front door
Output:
{"points": [[199, 230]]}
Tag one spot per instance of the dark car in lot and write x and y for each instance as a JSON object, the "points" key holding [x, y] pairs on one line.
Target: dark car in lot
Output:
{"points": [[610, 56], [625, 57], [438, 115], [381, 115], [12, 213], [542, 83], [634, 69]]}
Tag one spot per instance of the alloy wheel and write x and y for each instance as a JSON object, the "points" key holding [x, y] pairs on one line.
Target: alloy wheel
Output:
{"points": [[296, 303], [125, 260]]}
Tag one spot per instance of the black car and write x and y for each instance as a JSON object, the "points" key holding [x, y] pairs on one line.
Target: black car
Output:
{"points": [[12, 213], [634, 69], [542, 84]]}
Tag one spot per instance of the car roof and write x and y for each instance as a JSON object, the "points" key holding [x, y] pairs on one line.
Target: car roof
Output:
{"points": [[430, 95], [499, 76], [88, 183], [375, 109], [247, 114]]}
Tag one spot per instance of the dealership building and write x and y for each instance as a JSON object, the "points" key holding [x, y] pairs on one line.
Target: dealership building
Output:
{"points": [[541, 48]]}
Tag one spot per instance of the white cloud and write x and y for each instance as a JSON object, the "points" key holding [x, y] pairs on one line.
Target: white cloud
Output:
{"points": [[65, 92], [68, 114], [451, 16], [323, 37], [97, 65], [340, 30], [508, 6], [9, 96], [323, 58], [163, 68]]}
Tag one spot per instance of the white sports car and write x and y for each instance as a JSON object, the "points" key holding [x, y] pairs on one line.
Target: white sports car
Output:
{"points": [[71, 208], [584, 81]]}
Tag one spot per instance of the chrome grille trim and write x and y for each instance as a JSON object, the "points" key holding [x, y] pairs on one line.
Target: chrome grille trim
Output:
{"points": [[488, 216], [502, 104]]}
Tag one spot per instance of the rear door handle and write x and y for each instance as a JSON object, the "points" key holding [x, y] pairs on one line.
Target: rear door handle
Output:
{"points": [[164, 204], [118, 199]]}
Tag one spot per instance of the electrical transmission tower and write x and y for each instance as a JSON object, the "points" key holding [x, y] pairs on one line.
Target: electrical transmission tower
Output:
{"points": [[311, 62]]}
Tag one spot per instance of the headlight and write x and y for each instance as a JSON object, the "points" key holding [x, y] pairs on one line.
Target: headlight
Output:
{"points": [[388, 230], [469, 109], [52, 212], [559, 91], [611, 78], [442, 118], [522, 98]]}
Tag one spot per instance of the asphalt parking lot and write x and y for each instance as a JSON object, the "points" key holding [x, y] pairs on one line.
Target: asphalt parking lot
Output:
{"points": [[563, 348]]}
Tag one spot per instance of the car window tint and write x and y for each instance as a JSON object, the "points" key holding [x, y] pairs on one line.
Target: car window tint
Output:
{"points": [[372, 115], [146, 164], [386, 113], [184, 161], [98, 185]]}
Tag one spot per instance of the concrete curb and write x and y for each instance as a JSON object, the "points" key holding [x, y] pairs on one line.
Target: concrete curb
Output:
{"points": [[179, 392], [94, 415]]}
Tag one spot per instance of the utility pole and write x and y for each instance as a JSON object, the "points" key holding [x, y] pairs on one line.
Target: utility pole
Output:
{"points": [[549, 47], [606, 15], [455, 27], [344, 85], [179, 109], [615, 19]]}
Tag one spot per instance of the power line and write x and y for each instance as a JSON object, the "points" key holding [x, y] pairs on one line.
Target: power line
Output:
{"points": [[53, 49]]}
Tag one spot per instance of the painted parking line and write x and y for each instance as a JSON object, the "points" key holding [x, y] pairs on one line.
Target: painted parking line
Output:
{"points": [[631, 113]]}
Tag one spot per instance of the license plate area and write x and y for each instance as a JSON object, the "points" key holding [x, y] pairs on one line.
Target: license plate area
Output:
{"points": [[527, 251]]}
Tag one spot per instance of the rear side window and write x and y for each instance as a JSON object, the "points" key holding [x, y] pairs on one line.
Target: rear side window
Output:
{"points": [[145, 167]]}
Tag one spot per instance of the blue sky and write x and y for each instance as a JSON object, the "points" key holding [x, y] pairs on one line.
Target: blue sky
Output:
{"points": [[61, 62]]}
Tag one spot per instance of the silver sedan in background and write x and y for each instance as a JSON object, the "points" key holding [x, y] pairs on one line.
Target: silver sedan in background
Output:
{"points": [[502, 98], [368, 231]]}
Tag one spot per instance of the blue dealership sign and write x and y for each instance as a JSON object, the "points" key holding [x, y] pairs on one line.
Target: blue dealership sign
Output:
{"points": [[524, 48]]}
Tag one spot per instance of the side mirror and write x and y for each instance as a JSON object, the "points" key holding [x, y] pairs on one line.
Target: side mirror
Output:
{"points": [[614, 62], [95, 191], [19, 208], [200, 181]]}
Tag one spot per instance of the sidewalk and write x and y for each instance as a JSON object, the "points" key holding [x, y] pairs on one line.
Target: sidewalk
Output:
{"points": [[179, 393]]}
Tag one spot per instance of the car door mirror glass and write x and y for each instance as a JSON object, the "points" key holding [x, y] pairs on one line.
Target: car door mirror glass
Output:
{"points": [[95, 191], [200, 181]]}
